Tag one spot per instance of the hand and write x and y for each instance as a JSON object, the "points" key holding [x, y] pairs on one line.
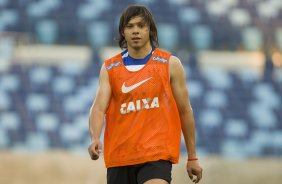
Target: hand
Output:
{"points": [[94, 149], [194, 169]]}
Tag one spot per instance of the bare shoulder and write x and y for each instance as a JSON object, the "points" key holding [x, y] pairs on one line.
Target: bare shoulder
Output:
{"points": [[174, 65]]}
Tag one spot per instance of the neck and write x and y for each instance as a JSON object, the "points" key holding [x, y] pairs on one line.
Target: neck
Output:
{"points": [[139, 53]]}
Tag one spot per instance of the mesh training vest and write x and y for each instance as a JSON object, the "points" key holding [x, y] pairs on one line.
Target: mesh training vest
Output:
{"points": [[142, 120]]}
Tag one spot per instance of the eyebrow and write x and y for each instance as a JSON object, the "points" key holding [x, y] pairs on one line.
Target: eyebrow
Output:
{"points": [[139, 22]]}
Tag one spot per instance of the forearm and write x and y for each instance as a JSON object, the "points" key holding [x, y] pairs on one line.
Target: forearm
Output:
{"points": [[188, 130], [96, 121]]}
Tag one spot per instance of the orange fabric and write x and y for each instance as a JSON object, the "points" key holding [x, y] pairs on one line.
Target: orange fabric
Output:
{"points": [[142, 120]]}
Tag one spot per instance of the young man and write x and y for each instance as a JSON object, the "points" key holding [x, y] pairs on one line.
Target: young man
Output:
{"points": [[143, 96]]}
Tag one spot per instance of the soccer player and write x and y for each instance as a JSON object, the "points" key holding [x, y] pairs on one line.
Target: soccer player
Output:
{"points": [[143, 97]]}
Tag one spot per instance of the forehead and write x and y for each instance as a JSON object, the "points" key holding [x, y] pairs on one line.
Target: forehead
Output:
{"points": [[136, 19]]}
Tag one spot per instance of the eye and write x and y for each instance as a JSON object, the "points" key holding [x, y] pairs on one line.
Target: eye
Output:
{"points": [[129, 26]]}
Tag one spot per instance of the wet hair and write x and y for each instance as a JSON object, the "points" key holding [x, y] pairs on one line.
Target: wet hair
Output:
{"points": [[134, 11]]}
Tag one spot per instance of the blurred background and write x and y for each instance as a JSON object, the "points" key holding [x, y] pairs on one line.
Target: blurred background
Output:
{"points": [[51, 52]]}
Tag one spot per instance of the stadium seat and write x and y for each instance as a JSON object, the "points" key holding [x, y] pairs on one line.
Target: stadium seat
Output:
{"points": [[267, 10], [266, 95], [98, 34], [211, 118], [37, 142], [63, 85], [72, 68], [40, 75], [218, 78], [72, 105], [178, 3], [168, 35], [262, 116], [216, 8], [230, 147], [69, 134], [278, 37], [10, 82], [37, 102], [4, 139], [9, 17], [236, 128], [239, 17], [189, 15], [215, 99], [47, 122], [37, 10], [3, 3], [5, 102], [201, 37], [195, 88], [47, 31], [10, 120], [252, 38]]}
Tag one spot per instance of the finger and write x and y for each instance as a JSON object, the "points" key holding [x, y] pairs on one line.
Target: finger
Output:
{"points": [[190, 174], [92, 152], [99, 149], [199, 176]]}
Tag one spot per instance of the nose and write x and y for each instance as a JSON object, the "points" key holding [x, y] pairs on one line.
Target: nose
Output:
{"points": [[135, 30]]}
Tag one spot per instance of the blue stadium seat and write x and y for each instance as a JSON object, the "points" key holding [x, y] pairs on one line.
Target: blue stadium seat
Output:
{"points": [[69, 134], [3, 3], [236, 128], [63, 85], [259, 140], [201, 37], [81, 123], [252, 38], [278, 37], [37, 10], [37, 102], [9, 17], [5, 102], [239, 17], [168, 35], [37, 141], [248, 76], [211, 118], [73, 104], [262, 116], [276, 141], [73, 68], [47, 31], [98, 34], [215, 99], [51, 4], [88, 12], [10, 120], [195, 88], [47, 122], [7, 48], [10, 82], [266, 95], [218, 78], [189, 15], [229, 149], [4, 138], [40, 75]]}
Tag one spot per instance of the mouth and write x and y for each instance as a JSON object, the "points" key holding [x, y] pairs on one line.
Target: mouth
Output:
{"points": [[135, 39]]}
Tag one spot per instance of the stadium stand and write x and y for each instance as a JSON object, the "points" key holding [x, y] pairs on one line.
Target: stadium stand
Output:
{"points": [[45, 106]]}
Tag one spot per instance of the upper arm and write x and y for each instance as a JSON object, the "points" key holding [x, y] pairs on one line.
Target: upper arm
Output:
{"points": [[178, 84], [103, 93]]}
